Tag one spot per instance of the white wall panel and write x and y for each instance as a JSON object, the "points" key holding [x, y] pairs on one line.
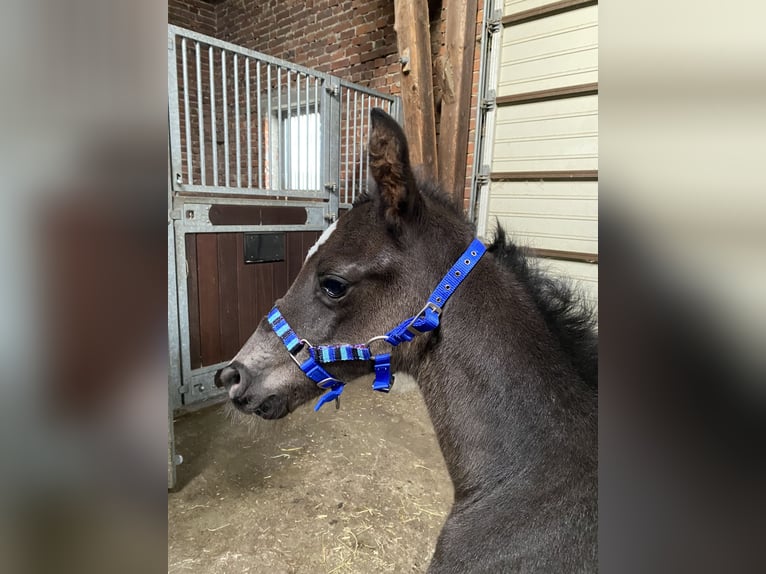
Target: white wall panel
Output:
{"points": [[552, 52]]}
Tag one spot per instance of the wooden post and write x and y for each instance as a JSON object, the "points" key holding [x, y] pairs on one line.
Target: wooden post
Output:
{"points": [[456, 100], [413, 40]]}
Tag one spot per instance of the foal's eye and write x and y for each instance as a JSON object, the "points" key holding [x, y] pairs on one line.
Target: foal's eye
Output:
{"points": [[334, 287]]}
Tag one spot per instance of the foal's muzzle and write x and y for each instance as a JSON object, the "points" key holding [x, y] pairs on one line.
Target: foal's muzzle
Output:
{"points": [[236, 379]]}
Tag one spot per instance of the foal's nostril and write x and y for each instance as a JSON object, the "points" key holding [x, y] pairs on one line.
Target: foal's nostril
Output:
{"points": [[227, 377]]}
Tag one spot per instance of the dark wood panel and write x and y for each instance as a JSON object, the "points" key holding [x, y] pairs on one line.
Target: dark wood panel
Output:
{"points": [[227, 297], [551, 94], [569, 175], [245, 293], [256, 215], [546, 10], [280, 281], [228, 301], [294, 255], [209, 313], [264, 289], [193, 298]]}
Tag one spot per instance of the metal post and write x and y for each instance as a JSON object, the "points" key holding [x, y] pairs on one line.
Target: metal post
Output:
{"points": [[346, 144], [331, 130], [485, 119], [174, 121]]}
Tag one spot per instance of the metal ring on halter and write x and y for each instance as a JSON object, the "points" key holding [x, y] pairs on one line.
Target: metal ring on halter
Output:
{"points": [[303, 343], [328, 379], [383, 338]]}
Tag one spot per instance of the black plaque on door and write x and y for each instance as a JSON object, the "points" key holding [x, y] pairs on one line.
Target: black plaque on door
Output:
{"points": [[264, 247]]}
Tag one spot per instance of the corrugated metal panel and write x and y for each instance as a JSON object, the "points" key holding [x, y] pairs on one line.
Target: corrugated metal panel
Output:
{"points": [[552, 215], [552, 52], [552, 136], [545, 136]]}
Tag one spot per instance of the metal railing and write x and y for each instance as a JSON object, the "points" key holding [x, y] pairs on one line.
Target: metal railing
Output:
{"points": [[244, 123]]}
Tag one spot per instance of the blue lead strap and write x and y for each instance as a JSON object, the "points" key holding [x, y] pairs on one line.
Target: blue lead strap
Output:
{"points": [[425, 321]]}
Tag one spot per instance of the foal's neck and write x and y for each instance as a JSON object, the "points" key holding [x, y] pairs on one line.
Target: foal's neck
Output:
{"points": [[507, 405]]}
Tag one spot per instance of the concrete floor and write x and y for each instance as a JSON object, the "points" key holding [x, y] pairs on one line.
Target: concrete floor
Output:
{"points": [[363, 489]]}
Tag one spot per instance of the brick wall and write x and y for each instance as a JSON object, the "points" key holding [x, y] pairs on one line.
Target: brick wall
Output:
{"points": [[197, 15], [351, 39]]}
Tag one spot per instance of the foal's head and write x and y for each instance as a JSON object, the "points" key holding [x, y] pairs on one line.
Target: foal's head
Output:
{"points": [[369, 271]]}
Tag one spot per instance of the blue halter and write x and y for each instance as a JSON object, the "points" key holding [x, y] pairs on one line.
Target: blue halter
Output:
{"points": [[425, 321]]}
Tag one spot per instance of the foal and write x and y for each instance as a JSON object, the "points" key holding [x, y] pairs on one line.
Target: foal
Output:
{"points": [[508, 375]]}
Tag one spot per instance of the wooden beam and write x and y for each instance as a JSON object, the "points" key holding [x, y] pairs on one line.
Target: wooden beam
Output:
{"points": [[456, 98], [413, 39]]}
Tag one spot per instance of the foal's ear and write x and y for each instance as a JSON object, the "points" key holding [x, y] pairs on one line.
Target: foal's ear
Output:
{"points": [[390, 168]]}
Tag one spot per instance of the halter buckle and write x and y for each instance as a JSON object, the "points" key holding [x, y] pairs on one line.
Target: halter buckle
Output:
{"points": [[429, 305], [303, 343]]}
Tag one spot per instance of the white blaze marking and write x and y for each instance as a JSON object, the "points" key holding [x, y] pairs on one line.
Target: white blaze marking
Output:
{"points": [[322, 238]]}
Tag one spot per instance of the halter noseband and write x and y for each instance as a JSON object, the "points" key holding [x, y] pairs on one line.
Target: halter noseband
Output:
{"points": [[426, 320]]}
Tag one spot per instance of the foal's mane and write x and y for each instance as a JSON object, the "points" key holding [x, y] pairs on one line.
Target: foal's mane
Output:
{"points": [[571, 321], [566, 315]]}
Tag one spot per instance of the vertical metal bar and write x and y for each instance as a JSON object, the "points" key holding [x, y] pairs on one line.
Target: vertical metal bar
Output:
{"points": [[280, 151], [362, 181], [287, 126], [249, 125], [366, 140], [260, 122], [200, 115], [298, 128], [268, 95], [346, 144], [187, 119], [213, 127], [236, 119], [227, 160], [353, 163], [306, 135], [317, 138], [174, 112]]}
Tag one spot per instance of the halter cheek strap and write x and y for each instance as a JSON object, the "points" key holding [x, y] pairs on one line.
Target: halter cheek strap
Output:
{"points": [[426, 320]]}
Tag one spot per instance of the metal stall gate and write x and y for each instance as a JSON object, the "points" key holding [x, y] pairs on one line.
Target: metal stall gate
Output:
{"points": [[263, 154]]}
